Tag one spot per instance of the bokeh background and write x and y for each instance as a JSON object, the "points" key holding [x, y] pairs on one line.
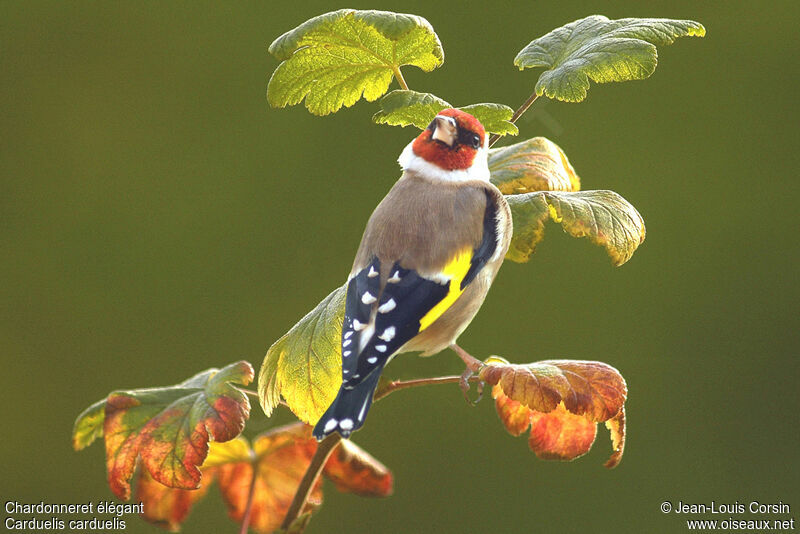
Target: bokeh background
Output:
{"points": [[157, 218]]}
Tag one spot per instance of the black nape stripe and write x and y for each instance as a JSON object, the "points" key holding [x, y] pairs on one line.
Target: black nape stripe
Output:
{"points": [[488, 245]]}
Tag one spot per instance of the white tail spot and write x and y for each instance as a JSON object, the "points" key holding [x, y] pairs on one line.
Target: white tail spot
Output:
{"points": [[372, 272], [372, 359], [346, 424], [330, 425], [395, 278], [347, 342], [367, 298], [380, 348], [358, 325]]}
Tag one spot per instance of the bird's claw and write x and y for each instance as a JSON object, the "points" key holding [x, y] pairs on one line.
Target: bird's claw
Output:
{"points": [[464, 384]]}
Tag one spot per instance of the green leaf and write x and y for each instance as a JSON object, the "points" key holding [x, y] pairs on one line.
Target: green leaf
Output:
{"points": [[494, 117], [170, 427], [537, 164], [305, 365], [89, 425], [601, 49], [334, 59], [603, 216], [402, 108]]}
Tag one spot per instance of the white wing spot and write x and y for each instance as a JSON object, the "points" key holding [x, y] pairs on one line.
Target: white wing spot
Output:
{"points": [[367, 298], [387, 306], [358, 325], [346, 424], [347, 342], [380, 348], [346, 353], [372, 272], [346, 371], [395, 278], [330, 425], [372, 359], [356, 376], [348, 334], [388, 334]]}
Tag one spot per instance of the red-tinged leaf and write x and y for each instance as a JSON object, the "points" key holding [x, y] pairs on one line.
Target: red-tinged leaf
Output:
{"points": [[353, 470], [616, 426], [168, 507], [594, 389], [281, 457], [170, 427], [560, 435], [515, 416], [562, 401]]}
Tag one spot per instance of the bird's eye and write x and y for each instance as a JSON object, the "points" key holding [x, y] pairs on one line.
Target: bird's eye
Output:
{"points": [[475, 141]]}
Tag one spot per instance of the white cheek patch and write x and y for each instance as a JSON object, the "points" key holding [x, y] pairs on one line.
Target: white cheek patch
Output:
{"points": [[479, 170]]}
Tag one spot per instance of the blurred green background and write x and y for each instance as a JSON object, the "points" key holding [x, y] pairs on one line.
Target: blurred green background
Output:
{"points": [[157, 218]]}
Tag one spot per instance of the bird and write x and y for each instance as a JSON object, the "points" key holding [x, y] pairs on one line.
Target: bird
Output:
{"points": [[429, 253]]}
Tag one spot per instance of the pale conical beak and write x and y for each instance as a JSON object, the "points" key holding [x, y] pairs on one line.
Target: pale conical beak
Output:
{"points": [[445, 130]]}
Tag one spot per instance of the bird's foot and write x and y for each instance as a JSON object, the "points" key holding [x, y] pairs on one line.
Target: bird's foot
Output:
{"points": [[464, 385], [473, 366]]}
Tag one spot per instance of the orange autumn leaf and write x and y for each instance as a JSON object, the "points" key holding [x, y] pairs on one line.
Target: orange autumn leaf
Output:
{"points": [[279, 458], [561, 401], [168, 507], [353, 470]]}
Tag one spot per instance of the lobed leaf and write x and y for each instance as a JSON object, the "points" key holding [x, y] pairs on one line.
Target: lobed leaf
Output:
{"points": [[604, 217], [353, 470], [561, 401], [334, 59], [591, 389], [405, 107], [168, 507], [537, 164], [305, 365], [170, 427], [494, 117], [602, 50], [89, 425], [279, 458]]}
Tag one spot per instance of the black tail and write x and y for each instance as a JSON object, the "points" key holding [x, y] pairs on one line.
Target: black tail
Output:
{"points": [[349, 409]]}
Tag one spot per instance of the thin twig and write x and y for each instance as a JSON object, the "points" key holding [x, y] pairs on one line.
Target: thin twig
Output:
{"points": [[405, 384], [517, 114], [250, 493], [324, 450]]}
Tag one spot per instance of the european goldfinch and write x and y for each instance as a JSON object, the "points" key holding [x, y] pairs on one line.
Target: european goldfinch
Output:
{"points": [[429, 253]]}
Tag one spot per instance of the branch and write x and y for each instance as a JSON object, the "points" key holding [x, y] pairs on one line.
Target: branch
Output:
{"points": [[249, 507], [395, 385], [517, 114], [324, 450]]}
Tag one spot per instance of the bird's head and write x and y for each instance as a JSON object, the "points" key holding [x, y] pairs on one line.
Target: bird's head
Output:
{"points": [[454, 147]]}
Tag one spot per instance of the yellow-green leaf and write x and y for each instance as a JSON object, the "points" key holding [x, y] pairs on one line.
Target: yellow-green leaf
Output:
{"points": [[604, 217], [494, 117], [89, 425], [404, 107], [305, 365], [537, 164], [602, 50], [334, 59]]}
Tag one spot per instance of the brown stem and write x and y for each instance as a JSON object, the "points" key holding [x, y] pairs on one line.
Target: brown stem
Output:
{"points": [[405, 384], [517, 114], [324, 450], [250, 493]]}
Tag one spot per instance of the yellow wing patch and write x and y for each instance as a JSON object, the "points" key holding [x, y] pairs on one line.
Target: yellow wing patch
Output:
{"points": [[456, 269]]}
